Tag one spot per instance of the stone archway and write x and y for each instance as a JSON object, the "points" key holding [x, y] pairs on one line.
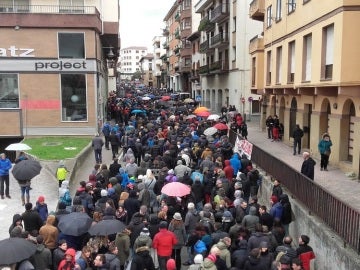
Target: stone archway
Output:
{"points": [[325, 111], [346, 144]]}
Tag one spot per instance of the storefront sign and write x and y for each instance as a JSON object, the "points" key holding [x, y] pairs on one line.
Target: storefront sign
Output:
{"points": [[12, 51], [47, 65]]}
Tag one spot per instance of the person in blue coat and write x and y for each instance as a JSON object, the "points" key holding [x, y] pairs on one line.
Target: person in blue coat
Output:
{"points": [[324, 147], [235, 163], [5, 166]]}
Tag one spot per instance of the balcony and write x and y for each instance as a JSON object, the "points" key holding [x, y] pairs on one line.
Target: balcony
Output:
{"points": [[185, 68], [204, 47], [177, 34], [185, 33], [165, 45], [219, 67], [219, 13], [165, 32], [257, 10], [186, 13], [219, 40], [50, 16], [256, 44], [185, 52], [205, 24], [177, 16], [204, 70]]}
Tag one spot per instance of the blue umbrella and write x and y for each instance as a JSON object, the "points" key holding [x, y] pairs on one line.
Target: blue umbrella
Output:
{"points": [[151, 96], [138, 111]]}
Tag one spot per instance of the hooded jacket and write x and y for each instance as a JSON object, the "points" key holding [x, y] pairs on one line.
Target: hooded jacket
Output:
{"points": [[164, 242], [249, 221], [208, 264], [142, 260], [228, 170], [16, 218], [50, 232], [235, 163], [42, 259], [224, 253]]}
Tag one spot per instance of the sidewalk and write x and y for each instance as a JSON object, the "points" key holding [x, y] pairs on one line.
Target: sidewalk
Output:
{"points": [[334, 180]]}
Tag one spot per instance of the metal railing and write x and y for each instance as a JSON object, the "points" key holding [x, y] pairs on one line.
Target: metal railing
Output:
{"points": [[338, 215], [52, 9]]}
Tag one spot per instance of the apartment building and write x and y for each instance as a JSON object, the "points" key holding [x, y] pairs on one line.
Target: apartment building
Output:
{"points": [[146, 64], [129, 60], [225, 65], [56, 57], [159, 52], [305, 66]]}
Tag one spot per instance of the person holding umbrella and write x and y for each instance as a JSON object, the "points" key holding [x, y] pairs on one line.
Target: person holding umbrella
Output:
{"points": [[5, 166]]}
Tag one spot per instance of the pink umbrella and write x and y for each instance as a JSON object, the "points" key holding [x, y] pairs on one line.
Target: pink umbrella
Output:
{"points": [[175, 189], [203, 113], [165, 98], [221, 126]]}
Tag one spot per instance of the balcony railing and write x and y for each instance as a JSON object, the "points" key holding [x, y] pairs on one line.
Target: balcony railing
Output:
{"points": [[177, 16], [257, 10], [205, 24], [219, 13], [204, 69], [177, 34], [219, 66], [256, 44], [204, 46], [52, 9], [219, 40]]}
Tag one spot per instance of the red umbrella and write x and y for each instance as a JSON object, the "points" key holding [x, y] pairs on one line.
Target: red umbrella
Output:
{"points": [[175, 189], [165, 98], [203, 113], [221, 126]]}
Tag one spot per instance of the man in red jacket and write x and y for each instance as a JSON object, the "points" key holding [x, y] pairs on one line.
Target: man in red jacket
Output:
{"points": [[163, 242]]}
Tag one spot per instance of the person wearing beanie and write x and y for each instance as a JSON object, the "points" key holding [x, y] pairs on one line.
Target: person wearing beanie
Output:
{"points": [[192, 217], [143, 239], [178, 228], [31, 218], [170, 264], [305, 252], [41, 208], [164, 242], [276, 210], [64, 194], [101, 203], [198, 260]]}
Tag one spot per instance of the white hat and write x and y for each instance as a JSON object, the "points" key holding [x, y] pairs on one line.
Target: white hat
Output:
{"points": [[198, 258], [171, 171], [103, 193], [177, 216]]}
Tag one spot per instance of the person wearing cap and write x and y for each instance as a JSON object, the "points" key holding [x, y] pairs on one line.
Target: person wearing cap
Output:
{"points": [[178, 228], [305, 252], [164, 242], [41, 208], [68, 263]]}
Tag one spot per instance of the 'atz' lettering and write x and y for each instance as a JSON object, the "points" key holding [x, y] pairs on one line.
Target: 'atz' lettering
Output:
{"points": [[59, 65], [16, 52]]}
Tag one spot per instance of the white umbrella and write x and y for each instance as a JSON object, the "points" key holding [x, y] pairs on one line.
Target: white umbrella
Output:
{"points": [[210, 131], [191, 116], [146, 98], [172, 117], [18, 147], [213, 117]]}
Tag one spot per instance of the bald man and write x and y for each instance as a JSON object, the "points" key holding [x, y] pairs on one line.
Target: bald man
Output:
{"points": [[308, 165]]}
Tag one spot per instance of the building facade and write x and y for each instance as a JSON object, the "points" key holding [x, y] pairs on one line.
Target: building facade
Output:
{"points": [[159, 52], [225, 65], [305, 66], [146, 64], [55, 61], [129, 61]]}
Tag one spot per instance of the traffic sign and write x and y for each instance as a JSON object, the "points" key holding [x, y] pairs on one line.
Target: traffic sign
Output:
{"points": [[250, 99], [198, 98]]}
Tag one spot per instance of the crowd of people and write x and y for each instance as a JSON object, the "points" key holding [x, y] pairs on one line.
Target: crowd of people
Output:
{"points": [[219, 224]]}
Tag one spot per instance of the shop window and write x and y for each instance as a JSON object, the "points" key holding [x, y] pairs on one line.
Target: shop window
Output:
{"points": [[73, 97], [9, 93], [71, 45]]}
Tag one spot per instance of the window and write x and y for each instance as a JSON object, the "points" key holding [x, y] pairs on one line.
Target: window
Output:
{"points": [[150, 66], [291, 5], [269, 16], [278, 64], [253, 71], [328, 52], [278, 10], [71, 2], [9, 93], [291, 67], [11, 5], [71, 6], [268, 68], [71, 45], [73, 97], [307, 58]]}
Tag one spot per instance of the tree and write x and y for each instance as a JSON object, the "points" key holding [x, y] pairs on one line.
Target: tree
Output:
{"points": [[136, 75]]}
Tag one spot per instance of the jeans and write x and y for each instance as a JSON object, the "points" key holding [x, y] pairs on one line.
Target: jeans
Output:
{"points": [[4, 180], [98, 155], [162, 262], [297, 143], [25, 190]]}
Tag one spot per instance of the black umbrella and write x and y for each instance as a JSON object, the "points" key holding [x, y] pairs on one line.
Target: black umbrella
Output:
{"points": [[26, 169], [16, 249], [107, 227], [75, 223]]}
